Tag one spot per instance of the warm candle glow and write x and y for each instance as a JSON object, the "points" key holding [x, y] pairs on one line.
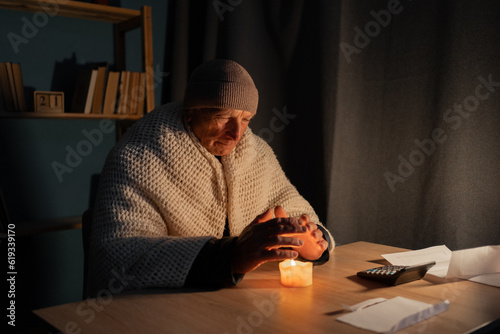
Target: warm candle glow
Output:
{"points": [[296, 273]]}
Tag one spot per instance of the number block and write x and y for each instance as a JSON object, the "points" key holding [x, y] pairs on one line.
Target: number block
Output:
{"points": [[49, 102]]}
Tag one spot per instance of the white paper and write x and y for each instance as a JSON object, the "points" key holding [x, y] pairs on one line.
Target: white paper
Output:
{"points": [[471, 262], [440, 254], [480, 264], [392, 315]]}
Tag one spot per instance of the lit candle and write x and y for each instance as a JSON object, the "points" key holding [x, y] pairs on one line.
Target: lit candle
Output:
{"points": [[296, 273]]}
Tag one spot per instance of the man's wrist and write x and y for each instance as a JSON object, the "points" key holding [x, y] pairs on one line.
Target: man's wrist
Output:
{"points": [[212, 267]]}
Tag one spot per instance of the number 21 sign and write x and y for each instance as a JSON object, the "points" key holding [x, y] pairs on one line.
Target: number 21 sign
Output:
{"points": [[49, 101]]}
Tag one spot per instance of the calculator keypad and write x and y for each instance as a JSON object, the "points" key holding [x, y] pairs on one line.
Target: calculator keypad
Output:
{"points": [[386, 270], [393, 275]]}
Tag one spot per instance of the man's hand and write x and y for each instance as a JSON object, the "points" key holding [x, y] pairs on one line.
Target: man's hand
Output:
{"points": [[314, 243], [261, 240]]}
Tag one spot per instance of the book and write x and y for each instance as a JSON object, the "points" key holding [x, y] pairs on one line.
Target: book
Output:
{"points": [[123, 100], [111, 94], [19, 86], [12, 85], [142, 94], [5, 84], [133, 92], [81, 90], [90, 93], [137, 93], [99, 90]]}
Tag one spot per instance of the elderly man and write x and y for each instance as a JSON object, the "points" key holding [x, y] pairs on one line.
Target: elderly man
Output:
{"points": [[187, 197]]}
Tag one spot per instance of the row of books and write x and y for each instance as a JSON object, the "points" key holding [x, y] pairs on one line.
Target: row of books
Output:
{"points": [[12, 88], [99, 91]]}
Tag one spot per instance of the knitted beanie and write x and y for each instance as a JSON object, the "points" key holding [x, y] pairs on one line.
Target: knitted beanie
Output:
{"points": [[221, 84]]}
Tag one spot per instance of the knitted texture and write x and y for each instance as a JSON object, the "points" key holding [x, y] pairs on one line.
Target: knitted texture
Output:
{"points": [[221, 84], [162, 196]]}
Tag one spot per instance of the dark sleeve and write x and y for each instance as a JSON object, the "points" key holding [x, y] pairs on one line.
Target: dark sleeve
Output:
{"points": [[212, 266]]}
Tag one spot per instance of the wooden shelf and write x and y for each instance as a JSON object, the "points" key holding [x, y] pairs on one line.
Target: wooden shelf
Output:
{"points": [[34, 115], [49, 225], [74, 9], [123, 20]]}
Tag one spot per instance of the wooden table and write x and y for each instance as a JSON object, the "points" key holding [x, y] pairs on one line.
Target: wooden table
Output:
{"points": [[260, 304]]}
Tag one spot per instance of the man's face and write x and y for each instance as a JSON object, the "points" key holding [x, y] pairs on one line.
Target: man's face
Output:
{"points": [[219, 130]]}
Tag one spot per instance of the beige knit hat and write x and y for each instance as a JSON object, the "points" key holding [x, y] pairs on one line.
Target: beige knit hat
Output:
{"points": [[221, 83]]}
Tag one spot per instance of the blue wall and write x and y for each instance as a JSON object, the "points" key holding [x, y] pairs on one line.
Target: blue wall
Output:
{"points": [[51, 264]]}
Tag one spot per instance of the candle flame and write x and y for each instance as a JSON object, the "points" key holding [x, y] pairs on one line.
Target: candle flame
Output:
{"points": [[292, 263]]}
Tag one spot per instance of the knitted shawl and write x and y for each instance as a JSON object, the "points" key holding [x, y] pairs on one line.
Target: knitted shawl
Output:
{"points": [[162, 196]]}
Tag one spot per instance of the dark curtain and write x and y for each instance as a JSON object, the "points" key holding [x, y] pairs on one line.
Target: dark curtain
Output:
{"points": [[384, 114]]}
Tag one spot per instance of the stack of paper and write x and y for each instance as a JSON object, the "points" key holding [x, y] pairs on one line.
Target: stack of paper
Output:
{"points": [[387, 316], [481, 264], [440, 254]]}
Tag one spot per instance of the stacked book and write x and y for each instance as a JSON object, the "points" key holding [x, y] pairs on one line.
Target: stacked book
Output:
{"points": [[12, 88], [99, 91]]}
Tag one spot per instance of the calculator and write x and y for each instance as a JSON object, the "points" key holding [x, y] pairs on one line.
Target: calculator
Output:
{"points": [[394, 275]]}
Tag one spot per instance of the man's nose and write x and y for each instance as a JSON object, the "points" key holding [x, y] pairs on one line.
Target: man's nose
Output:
{"points": [[234, 129]]}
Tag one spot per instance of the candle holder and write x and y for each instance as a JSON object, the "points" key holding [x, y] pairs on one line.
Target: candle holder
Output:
{"points": [[296, 273]]}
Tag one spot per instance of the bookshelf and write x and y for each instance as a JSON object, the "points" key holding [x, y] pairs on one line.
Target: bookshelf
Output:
{"points": [[123, 19], [66, 115]]}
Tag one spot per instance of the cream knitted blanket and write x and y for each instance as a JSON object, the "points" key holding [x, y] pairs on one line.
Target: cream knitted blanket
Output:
{"points": [[162, 196]]}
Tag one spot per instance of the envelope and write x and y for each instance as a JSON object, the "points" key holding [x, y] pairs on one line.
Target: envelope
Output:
{"points": [[391, 315]]}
